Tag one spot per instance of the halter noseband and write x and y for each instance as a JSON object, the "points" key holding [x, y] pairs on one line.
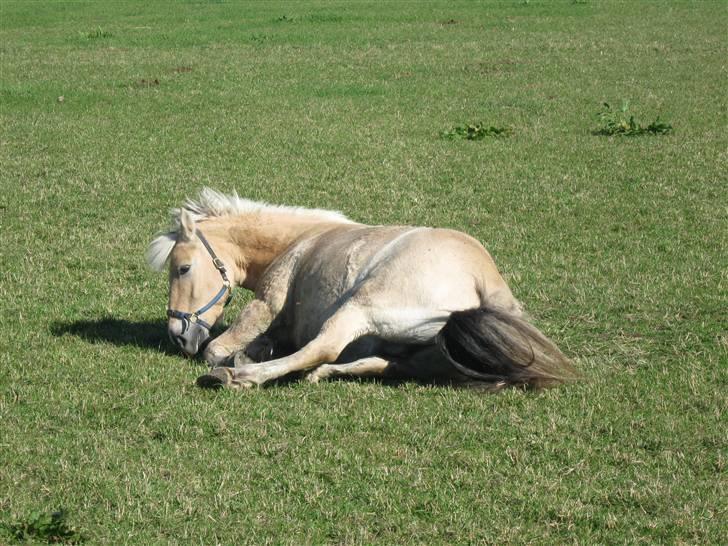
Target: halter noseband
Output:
{"points": [[194, 318]]}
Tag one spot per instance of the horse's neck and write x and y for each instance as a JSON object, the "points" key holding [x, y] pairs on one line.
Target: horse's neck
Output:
{"points": [[253, 242]]}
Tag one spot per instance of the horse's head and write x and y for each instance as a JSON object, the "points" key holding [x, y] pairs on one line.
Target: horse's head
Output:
{"points": [[199, 285]]}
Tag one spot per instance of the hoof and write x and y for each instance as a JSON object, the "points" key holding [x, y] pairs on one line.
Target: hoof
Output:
{"points": [[223, 376], [320, 373], [216, 379]]}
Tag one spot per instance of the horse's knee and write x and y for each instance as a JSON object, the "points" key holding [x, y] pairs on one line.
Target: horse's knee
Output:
{"points": [[346, 326], [216, 354]]}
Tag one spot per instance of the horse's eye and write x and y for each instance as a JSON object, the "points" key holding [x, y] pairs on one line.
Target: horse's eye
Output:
{"points": [[183, 269]]}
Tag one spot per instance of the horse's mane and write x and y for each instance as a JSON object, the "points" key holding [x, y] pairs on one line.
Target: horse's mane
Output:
{"points": [[213, 204]]}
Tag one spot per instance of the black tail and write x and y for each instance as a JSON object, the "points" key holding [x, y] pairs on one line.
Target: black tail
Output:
{"points": [[492, 346]]}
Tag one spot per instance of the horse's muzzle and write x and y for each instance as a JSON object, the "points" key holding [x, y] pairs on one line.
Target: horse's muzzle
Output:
{"points": [[188, 336]]}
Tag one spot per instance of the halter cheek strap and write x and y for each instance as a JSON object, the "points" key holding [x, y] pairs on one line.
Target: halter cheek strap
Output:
{"points": [[194, 318]]}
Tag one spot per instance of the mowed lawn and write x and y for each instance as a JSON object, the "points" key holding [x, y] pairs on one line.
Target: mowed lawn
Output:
{"points": [[113, 112]]}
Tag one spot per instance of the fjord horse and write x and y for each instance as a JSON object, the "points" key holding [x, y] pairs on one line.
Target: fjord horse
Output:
{"points": [[334, 297]]}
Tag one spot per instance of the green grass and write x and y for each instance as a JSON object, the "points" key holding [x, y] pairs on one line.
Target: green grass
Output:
{"points": [[616, 246]]}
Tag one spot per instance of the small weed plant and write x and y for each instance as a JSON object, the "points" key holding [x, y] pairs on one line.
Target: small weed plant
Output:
{"points": [[98, 33], [622, 123], [477, 131], [43, 527]]}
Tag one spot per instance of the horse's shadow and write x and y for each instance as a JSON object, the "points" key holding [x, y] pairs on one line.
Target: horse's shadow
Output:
{"points": [[152, 335], [145, 334]]}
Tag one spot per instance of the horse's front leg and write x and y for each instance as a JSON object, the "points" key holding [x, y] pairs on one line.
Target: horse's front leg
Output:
{"points": [[273, 343], [253, 320], [347, 325]]}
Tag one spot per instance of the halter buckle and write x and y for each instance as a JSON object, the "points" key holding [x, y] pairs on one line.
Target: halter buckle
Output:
{"points": [[218, 264], [192, 318]]}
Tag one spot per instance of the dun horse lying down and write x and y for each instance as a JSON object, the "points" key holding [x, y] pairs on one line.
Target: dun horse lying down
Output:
{"points": [[334, 297]]}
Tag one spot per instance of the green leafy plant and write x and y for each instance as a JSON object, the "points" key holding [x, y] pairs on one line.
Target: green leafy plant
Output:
{"points": [[475, 131], [51, 528], [621, 122]]}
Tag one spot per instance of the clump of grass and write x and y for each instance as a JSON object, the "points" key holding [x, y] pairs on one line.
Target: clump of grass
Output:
{"points": [[475, 131], [51, 528], [147, 83], [622, 123], [312, 18], [98, 33]]}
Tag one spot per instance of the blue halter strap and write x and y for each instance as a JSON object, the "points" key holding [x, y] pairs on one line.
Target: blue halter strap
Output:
{"points": [[194, 318]]}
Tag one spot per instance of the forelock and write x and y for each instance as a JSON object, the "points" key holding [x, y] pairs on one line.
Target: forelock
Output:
{"points": [[159, 250]]}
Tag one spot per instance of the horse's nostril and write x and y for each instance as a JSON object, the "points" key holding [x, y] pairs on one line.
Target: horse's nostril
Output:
{"points": [[180, 341]]}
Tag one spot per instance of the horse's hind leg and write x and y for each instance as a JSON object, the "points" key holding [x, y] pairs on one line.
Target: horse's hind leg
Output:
{"points": [[345, 326], [372, 366], [425, 364]]}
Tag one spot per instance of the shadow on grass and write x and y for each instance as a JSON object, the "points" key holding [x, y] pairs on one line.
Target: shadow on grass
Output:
{"points": [[153, 335], [144, 334]]}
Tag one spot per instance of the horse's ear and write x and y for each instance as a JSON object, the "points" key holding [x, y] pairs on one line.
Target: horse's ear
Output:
{"points": [[187, 226]]}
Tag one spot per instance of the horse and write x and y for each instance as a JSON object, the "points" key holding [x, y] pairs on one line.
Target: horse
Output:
{"points": [[334, 297]]}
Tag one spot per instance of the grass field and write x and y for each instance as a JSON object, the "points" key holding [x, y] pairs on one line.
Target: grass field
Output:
{"points": [[113, 112]]}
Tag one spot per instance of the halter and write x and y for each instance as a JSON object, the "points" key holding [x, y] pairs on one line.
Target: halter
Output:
{"points": [[194, 318]]}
